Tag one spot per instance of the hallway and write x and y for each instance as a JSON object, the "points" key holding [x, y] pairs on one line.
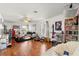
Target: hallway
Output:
{"points": [[27, 48]]}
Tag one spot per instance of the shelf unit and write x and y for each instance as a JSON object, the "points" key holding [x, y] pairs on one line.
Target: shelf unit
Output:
{"points": [[71, 29]]}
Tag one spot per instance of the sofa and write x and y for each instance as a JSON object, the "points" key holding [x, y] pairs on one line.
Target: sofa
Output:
{"points": [[72, 47]]}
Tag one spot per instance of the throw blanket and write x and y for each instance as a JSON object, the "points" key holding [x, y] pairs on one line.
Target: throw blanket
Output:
{"points": [[58, 50]]}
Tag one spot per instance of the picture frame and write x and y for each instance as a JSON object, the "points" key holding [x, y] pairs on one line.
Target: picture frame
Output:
{"points": [[58, 25]]}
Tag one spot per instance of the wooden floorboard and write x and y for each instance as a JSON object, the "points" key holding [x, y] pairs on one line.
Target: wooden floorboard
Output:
{"points": [[27, 48]]}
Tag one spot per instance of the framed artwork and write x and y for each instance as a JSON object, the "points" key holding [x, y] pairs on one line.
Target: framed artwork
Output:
{"points": [[58, 25]]}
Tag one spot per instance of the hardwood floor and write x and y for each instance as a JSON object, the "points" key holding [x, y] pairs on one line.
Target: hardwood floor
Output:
{"points": [[27, 48]]}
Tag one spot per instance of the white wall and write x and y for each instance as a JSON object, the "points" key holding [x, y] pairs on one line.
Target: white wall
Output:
{"points": [[1, 26], [61, 18], [71, 13], [1, 19], [32, 27], [41, 28]]}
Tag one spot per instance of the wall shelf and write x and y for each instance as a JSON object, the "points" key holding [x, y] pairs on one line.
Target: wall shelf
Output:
{"points": [[71, 29]]}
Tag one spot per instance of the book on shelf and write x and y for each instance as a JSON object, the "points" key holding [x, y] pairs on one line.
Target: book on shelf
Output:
{"points": [[71, 28]]}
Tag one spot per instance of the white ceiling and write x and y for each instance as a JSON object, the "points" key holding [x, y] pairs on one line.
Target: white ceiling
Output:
{"points": [[15, 11]]}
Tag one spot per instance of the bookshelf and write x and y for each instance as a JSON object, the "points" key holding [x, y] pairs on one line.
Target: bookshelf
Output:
{"points": [[71, 29]]}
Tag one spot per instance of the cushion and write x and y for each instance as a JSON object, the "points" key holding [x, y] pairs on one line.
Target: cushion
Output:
{"points": [[59, 49], [76, 53], [70, 47]]}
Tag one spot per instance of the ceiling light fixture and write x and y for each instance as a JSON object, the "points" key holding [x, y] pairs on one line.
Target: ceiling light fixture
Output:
{"points": [[27, 20]]}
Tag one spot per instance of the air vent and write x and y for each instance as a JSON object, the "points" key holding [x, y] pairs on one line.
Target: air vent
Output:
{"points": [[35, 11]]}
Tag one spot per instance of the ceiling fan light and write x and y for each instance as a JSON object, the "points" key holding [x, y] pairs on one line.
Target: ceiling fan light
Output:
{"points": [[25, 21]]}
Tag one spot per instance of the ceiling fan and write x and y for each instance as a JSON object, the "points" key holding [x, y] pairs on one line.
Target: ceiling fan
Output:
{"points": [[25, 19]]}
